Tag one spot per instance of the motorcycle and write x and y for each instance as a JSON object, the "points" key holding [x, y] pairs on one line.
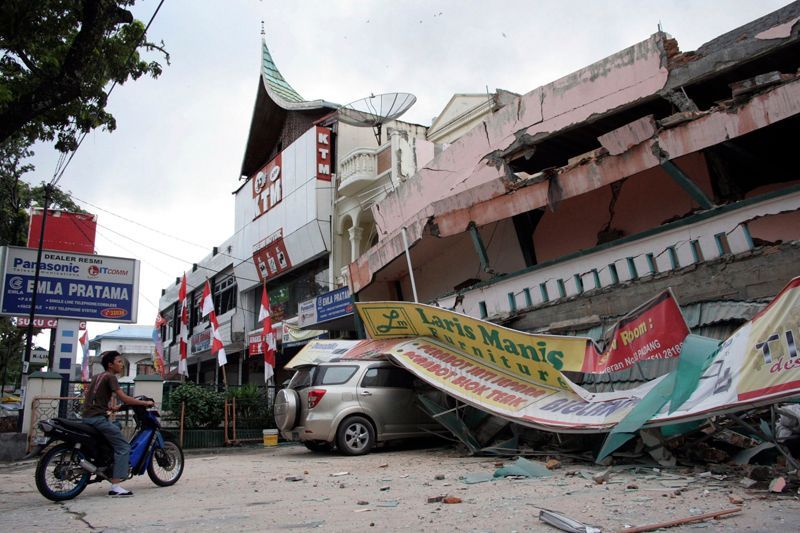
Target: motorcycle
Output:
{"points": [[77, 455]]}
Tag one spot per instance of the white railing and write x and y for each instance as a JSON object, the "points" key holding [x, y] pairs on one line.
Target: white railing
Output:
{"points": [[358, 169], [663, 251]]}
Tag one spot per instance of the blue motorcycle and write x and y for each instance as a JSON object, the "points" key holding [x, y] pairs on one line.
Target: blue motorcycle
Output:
{"points": [[77, 455]]}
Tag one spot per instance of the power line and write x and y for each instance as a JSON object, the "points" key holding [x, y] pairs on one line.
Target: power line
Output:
{"points": [[59, 171], [137, 223]]}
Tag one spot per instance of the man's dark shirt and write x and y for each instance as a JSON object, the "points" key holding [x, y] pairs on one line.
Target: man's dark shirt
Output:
{"points": [[98, 398]]}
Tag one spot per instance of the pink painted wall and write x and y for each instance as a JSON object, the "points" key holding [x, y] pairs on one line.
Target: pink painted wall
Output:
{"points": [[646, 200], [782, 227], [650, 198], [573, 226]]}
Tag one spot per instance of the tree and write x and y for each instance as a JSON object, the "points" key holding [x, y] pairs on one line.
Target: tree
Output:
{"points": [[16, 197], [58, 57]]}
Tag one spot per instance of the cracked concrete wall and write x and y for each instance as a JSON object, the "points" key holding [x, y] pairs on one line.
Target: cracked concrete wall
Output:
{"points": [[461, 176], [470, 182]]}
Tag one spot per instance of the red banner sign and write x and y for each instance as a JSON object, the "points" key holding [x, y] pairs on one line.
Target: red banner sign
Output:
{"points": [[323, 154], [43, 323], [268, 186], [272, 258]]}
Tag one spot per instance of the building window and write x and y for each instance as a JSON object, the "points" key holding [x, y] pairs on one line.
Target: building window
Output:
{"points": [[225, 294], [196, 311], [168, 327], [145, 368]]}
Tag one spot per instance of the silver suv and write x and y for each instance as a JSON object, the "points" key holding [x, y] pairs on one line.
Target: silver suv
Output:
{"points": [[352, 405]]}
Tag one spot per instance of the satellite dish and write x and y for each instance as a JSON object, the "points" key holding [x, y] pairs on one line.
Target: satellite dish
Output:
{"points": [[375, 110]]}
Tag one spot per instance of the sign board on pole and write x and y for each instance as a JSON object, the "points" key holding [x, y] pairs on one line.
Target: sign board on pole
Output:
{"points": [[71, 285], [42, 323], [39, 357], [71, 232]]}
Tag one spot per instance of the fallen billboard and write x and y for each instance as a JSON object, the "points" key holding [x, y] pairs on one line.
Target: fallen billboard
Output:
{"points": [[519, 376]]}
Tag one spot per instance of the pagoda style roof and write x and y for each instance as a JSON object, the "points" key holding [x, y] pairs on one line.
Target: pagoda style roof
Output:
{"points": [[274, 100]]}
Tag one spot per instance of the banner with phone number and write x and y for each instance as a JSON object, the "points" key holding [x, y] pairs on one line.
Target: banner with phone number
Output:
{"points": [[758, 364]]}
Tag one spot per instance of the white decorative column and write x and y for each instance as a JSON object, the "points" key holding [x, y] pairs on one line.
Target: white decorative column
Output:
{"points": [[355, 234]]}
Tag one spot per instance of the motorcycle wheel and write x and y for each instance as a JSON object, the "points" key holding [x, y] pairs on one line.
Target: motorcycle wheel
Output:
{"points": [[166, 465], [59, 476]]}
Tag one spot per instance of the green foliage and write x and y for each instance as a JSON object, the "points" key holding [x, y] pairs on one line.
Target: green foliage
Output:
{"points": [[17, 196], [245, 392], [12, 344], [59, 59], [252, 409], [204, 406]]}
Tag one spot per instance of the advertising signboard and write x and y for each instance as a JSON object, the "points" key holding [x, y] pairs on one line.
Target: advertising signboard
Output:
{"points": [[271, 257], [201, 342], [43, 323], [329, 306], [482, 364], [70, 232], [71, 285], [39, 357]]}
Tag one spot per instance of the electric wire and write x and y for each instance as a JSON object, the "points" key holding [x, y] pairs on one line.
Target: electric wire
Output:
{"points": [[60, 169]]}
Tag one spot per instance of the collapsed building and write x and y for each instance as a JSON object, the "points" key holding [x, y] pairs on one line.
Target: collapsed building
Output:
{"points": [[649, 169]]}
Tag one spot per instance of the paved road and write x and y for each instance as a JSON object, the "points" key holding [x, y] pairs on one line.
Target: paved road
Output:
{"points": [[247, 490]]}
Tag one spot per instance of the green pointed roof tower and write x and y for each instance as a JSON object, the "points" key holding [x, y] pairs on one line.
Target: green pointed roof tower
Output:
{"points": [[276, 99]]}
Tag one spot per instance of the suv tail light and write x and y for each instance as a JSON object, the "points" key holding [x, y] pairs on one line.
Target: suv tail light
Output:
{"points": [[314, 396]]}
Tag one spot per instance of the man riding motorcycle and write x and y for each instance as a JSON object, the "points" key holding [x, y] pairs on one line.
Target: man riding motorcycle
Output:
{"points": [[96, 410]]}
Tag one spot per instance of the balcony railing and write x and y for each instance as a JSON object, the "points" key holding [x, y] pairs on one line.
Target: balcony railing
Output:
{"points": [[360, 168]]}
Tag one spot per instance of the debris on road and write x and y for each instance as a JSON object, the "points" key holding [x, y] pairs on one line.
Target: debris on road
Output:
{"points": [[681, 521], [565, 523], [524, 468], [777, 484]]}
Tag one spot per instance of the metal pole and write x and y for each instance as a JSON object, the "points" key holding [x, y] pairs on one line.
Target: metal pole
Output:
{"points": [[31, 315], [410, 268]]}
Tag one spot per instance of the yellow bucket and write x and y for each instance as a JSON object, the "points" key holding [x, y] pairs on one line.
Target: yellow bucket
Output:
{"points": [[270, 437]]}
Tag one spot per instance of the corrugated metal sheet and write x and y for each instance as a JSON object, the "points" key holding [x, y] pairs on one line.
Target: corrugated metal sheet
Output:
{"points": [[707, 313]]}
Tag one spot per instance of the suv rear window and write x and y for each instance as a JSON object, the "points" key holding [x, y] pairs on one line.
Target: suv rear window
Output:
{"points": [[333, 375], [302, 378]]}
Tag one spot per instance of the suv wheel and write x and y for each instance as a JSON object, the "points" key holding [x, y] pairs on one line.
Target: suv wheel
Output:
{"points": [[287, 405], [355, 436]]}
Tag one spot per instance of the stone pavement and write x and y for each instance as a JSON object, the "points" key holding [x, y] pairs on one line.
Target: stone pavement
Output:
{"points": [[250, 490]]}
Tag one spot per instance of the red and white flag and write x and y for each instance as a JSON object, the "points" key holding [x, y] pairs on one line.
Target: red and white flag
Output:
{"points": [[217, 346], [269, 345], [184, 333], [84, 340]]}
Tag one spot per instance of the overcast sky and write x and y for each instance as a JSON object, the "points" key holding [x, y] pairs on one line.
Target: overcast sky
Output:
{"points": [[174, 159]]}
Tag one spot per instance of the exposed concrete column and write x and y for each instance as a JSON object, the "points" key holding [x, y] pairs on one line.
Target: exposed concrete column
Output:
{"points": [[150, 386], [354, 234], [40, 385]]}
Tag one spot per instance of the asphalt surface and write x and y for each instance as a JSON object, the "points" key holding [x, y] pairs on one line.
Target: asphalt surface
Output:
{"points": [[289, 488]]}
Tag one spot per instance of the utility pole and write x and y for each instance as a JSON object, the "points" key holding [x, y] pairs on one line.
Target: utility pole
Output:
{"points": [[31, 315]]}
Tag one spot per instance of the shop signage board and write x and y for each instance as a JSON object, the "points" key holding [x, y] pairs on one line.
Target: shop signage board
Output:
{"points": [[329, 306], [43, 323], [71, 285], [518, 376]]}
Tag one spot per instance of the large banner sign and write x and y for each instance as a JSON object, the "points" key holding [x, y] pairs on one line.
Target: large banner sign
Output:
{"points": [[518, 376], [654, 330], [71, 285]]}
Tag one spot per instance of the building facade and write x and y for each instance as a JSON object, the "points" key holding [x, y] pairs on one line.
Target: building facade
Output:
{"points": [[302, 214], [576, 202], [136, 345]]}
